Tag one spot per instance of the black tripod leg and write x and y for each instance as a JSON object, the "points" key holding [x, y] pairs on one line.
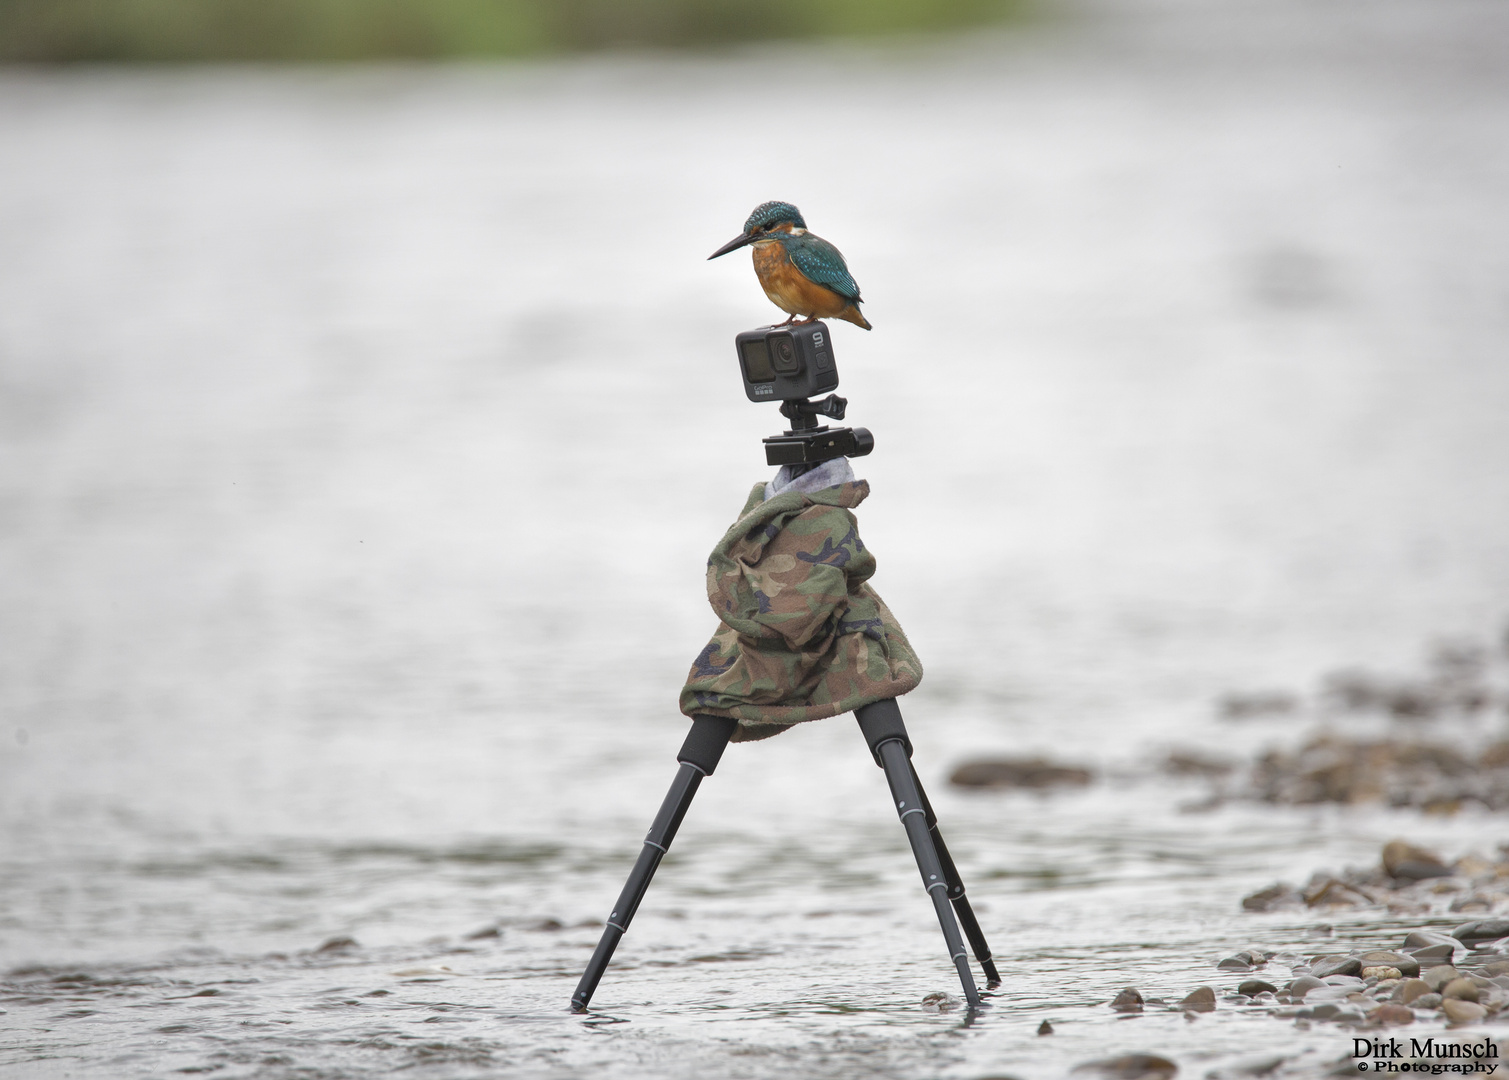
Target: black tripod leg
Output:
{"points": [[699, 757], [886, 734], [956, 893]]}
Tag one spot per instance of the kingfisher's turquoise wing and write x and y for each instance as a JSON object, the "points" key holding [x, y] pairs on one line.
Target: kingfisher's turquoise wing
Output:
{"points": [[822, 263]]}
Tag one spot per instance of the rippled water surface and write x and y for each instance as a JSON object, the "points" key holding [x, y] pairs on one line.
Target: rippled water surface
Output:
{"points": [[365, 432]]}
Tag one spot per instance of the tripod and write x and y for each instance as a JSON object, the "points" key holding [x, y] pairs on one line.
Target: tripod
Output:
{"points": [[790, 365], [882, 727]]}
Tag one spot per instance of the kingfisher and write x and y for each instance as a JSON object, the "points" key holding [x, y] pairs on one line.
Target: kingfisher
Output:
{"points": [[802, 274]]}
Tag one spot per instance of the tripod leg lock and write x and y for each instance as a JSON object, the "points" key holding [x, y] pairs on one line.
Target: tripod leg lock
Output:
{"points": [[706, 742], [880, 721]]}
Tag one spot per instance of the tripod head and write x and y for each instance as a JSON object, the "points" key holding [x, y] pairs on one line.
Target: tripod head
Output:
{"points": [[790, 364], [807, 443]]}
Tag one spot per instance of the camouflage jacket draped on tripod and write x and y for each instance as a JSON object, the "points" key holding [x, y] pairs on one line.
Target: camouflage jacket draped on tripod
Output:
{"points": [[804, 637]]}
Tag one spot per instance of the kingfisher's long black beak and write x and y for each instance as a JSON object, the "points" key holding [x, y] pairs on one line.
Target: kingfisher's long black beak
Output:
{"points": [[733, 245]]}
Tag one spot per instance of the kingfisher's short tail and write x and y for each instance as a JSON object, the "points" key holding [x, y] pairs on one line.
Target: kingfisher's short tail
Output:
{"points": [[852, 314]]}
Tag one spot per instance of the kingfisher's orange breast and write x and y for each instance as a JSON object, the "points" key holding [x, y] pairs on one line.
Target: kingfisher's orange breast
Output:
{"points": [[791, 290]]}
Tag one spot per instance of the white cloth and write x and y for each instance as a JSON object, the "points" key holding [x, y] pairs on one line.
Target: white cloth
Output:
{"points": [[830, 473]]}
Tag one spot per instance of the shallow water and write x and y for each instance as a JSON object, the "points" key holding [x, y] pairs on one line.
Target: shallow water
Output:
{"points": [[366, 432]]}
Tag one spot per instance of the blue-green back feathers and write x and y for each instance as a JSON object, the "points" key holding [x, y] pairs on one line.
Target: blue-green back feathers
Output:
{"points": [[821, 262]]}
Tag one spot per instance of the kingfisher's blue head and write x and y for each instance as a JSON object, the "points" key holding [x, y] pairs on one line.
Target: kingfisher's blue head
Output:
{"points": [[767, 218]]}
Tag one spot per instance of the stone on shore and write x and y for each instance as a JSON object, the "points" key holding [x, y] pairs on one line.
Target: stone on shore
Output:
{"points": [[1461, 989], [1245, 960], [1438, 977], [1326, 966], [1273, 898], [1410, 990], [1036, 773], [1471, 933], [1129, 1000], [1392, 1014], [1201, 999], [1303, 985], [1463, 1012], [1403, 860], [1130, 1067], [1420, 939], [1407, 966]]}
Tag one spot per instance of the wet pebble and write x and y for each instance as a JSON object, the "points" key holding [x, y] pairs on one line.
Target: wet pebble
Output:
{"points": [[1130, 1067], [1439, 976], [1018, 773], [938, 1001], [1303, 985], [1402, 860], [1045, 1028], [1324, 966], [1273, 898], [1392, 1014], [1201, 999], [1463, 1012], [1428, 1001], [1419, 939], [1460, 989], [1407, 966], [1411, 990], [1254, 987], [1335, 1012], [1245, 960], [1129, 1000], [1481, 930], [338, 944]]}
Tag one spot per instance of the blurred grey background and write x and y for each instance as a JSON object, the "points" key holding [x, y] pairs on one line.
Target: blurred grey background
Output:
{"points": [[365, 429]]}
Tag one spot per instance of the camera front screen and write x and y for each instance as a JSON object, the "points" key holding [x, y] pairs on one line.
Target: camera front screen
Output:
{"points": [[757, 362]]}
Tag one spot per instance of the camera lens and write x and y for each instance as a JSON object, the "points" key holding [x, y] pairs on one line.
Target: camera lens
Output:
{"points": [[783, 355]]}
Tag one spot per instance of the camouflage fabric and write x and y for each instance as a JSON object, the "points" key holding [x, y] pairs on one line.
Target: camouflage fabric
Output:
{"points": [[804, 637]]}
